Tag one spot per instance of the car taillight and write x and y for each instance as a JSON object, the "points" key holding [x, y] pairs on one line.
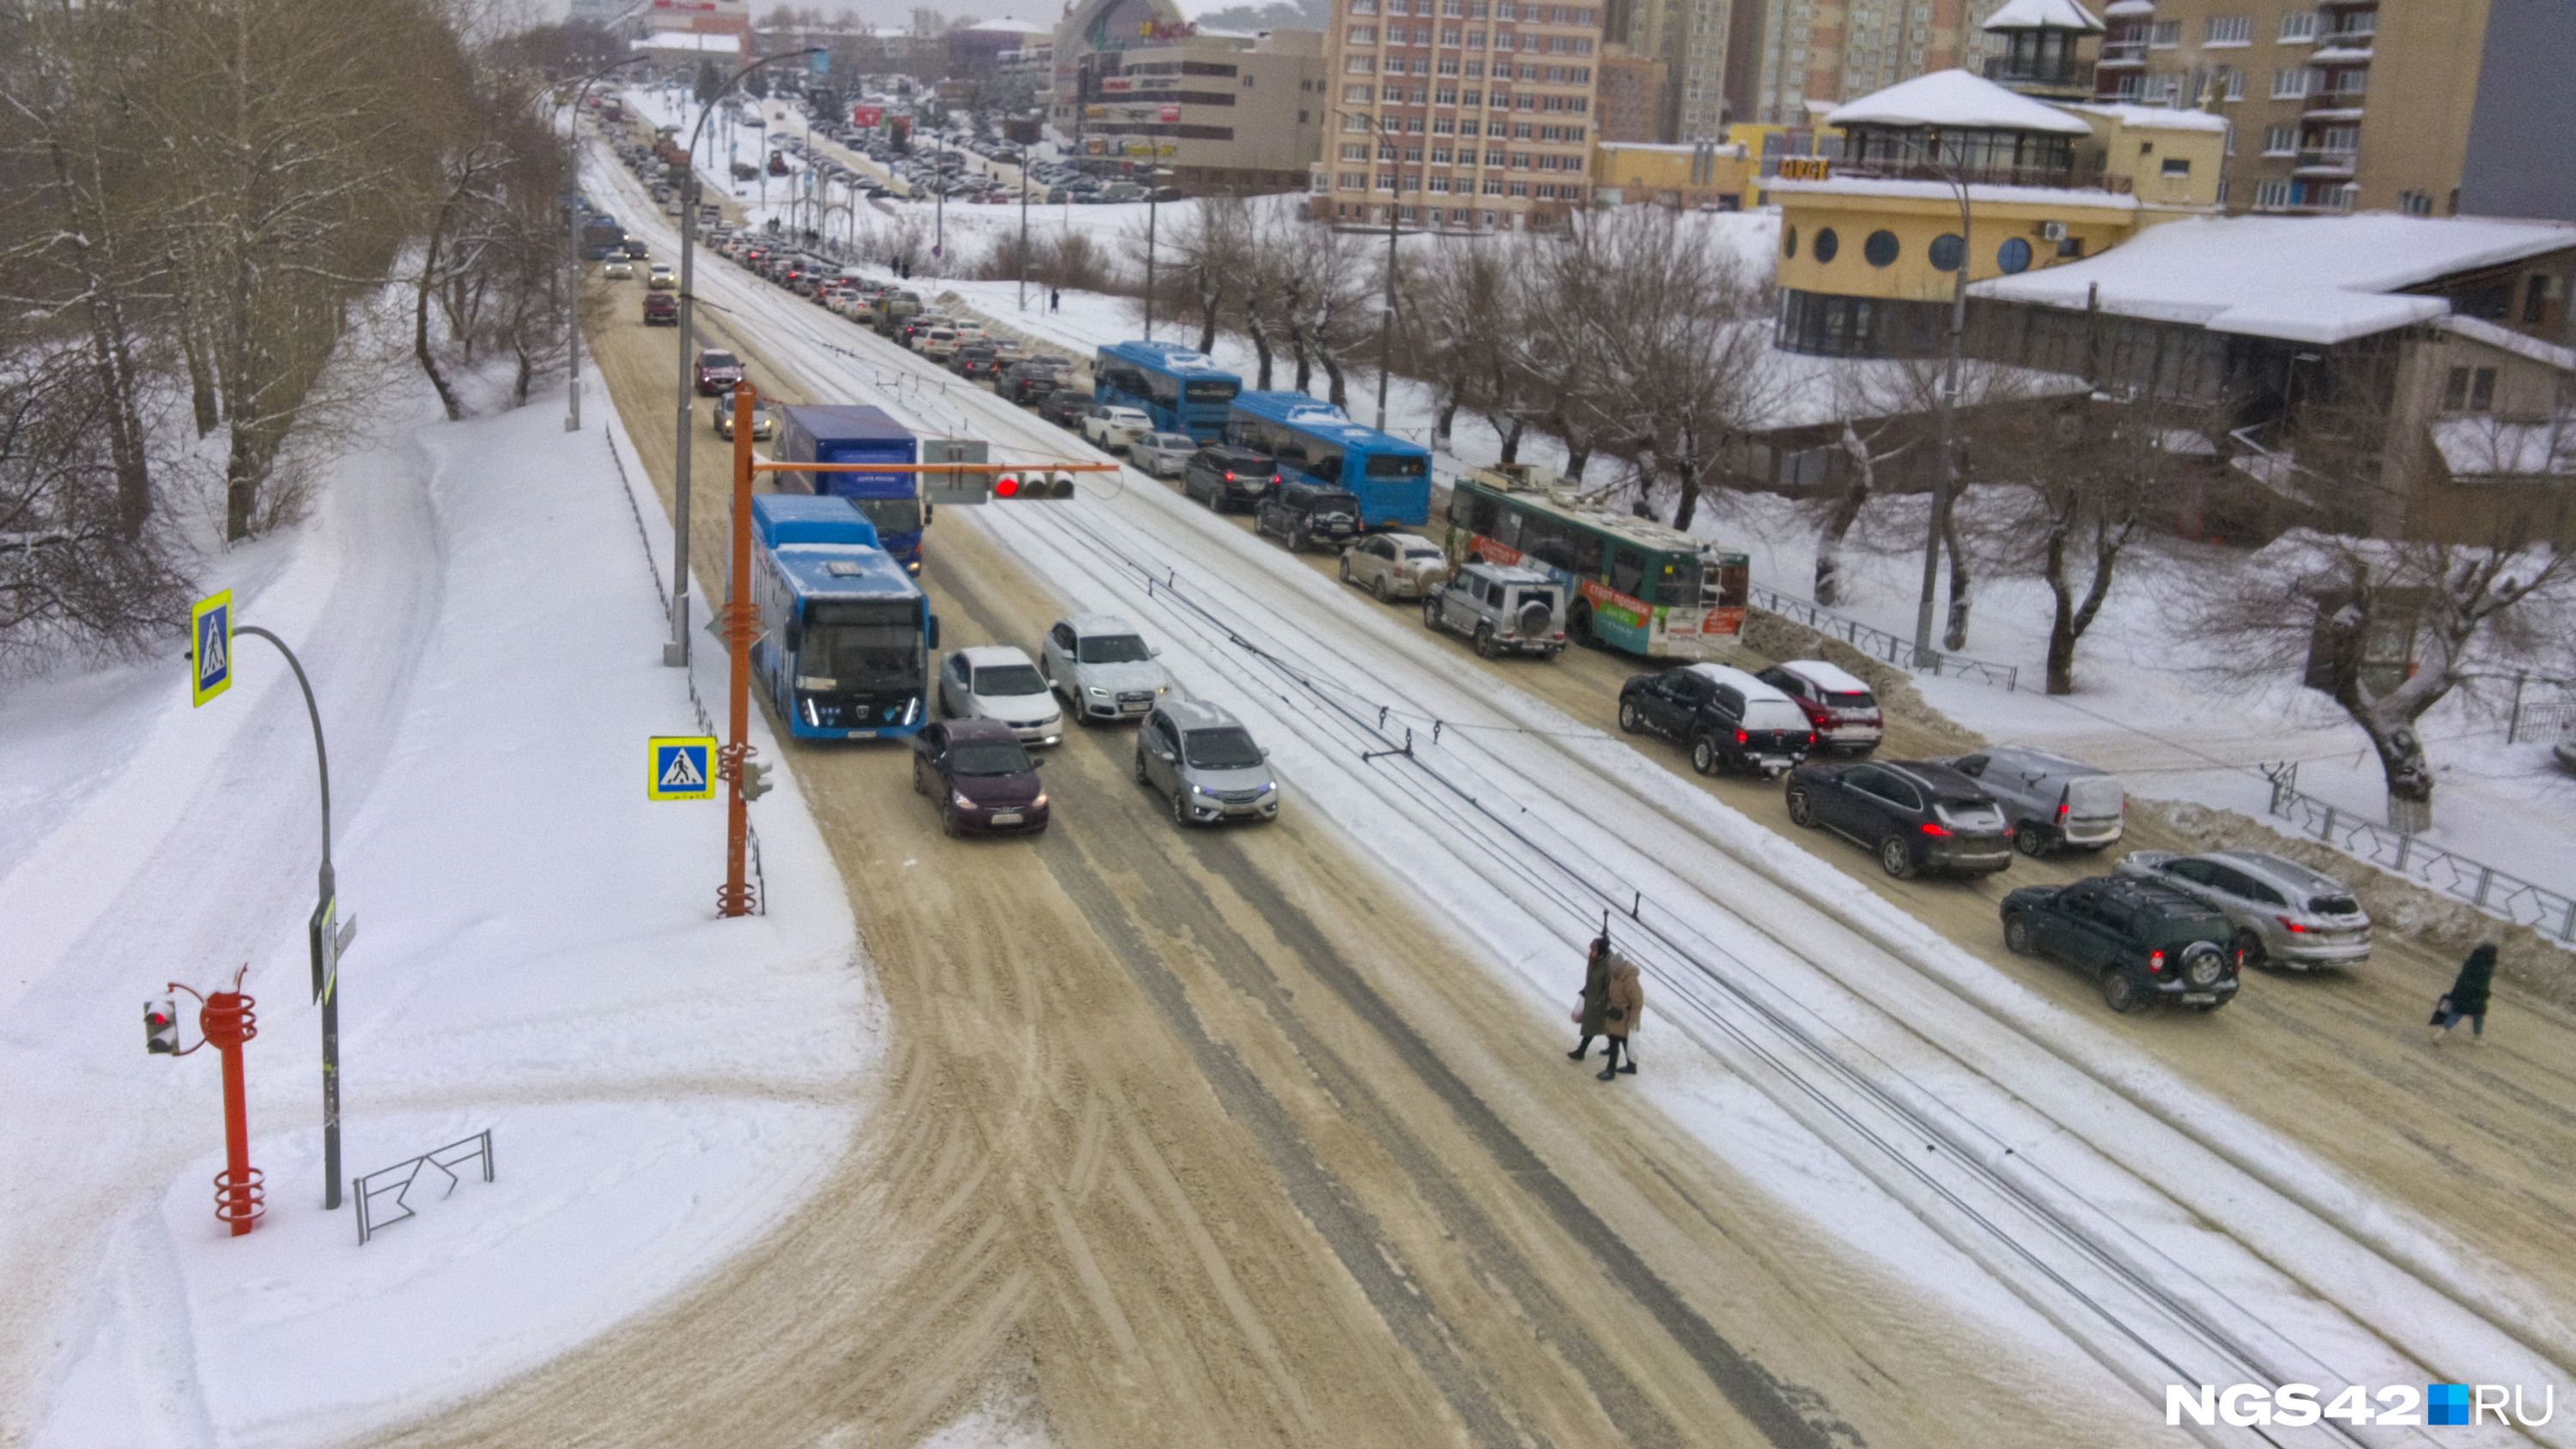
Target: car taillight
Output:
{"points": [[1935, 827], [2291, 924], [2156, 961], [1229, 477], [1741, 737], [2061, 812]]}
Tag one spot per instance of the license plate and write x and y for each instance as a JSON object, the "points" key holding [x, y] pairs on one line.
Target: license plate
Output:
{"points": [[2199, 997], [1005, 817]]}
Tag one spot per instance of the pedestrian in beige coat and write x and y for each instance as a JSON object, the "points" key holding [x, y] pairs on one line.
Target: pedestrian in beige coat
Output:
{"points": [[1626, 1011]]}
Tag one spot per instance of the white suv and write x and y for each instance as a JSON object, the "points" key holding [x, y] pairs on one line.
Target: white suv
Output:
{"points": [[1113, 427], [1103, 668]]}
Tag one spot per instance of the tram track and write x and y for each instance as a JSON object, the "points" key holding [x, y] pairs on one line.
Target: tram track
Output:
{"points": [[1888, 1121]]}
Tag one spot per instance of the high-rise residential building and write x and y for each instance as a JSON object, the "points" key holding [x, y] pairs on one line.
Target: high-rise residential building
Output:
{"points": [[1632, 97], [1793, 59], [1462, 114], [2341, 105], [1689, 39]]}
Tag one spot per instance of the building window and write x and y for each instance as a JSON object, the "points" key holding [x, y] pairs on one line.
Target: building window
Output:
{"points": [[1363, 35], [1386, 153], [1475, 40], [2221, 198], [1363, 7], [1356, 96], [1356, 151], [2289, 85], [1493, 187], [2469, 390], [2234, 88], [1353, 180], [1444, 126], [1827, 244], [1498, 128], [2177, 166], [1440, 184], [1547, 191], [1521, 130], [2341, 141], [1520, 188], [2230, 30], [1413, 124], [1880, 250], [1440, 156], [1392, 95], [2535, 302], [2164, 34], [2299, 27], [1520, 160], [1446, 95], [1386, 182], [1452, 8], [1449, 38], [1413, 154], [2013, 255], [2271, 195], [2280, 140], [1362, 65]]}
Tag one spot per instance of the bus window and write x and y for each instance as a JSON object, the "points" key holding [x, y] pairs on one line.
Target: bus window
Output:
{"points": [[862, 644], [1676, 581], [1734, 585], [1587, 554], [1215, 390], [1507, 528], [1397, 465], [1474, 512], [1547, 540], [1627, 570]]}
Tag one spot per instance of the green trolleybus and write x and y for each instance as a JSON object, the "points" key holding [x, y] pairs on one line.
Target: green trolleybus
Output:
{"points": [[1631, 583]]}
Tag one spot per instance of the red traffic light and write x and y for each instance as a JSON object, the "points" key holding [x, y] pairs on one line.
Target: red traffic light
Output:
{"points": [[1006, 485]]}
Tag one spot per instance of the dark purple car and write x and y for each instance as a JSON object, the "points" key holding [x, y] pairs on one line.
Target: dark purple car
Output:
{"points": [[985, 783]]}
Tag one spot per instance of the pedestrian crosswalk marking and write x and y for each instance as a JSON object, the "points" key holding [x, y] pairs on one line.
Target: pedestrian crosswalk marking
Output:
{"points": [[682, 773]]}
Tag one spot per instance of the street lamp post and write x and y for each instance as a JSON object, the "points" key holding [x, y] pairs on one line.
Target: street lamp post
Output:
{"points": [[1945, 483], [675, 650], [1386, 310], [1153, 200], [572, 257], [1024, 232]]}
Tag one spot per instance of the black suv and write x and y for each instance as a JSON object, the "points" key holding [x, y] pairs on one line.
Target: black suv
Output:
{"points": [[1065, 406], [2146, 941], [1727, 718], [1026, 382], [1303, 513], [1917, 816], [974, 360], [1224, 476]]}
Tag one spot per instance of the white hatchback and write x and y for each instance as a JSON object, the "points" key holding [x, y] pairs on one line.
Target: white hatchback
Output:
{"points": [[997, 682], [1112, 427]]}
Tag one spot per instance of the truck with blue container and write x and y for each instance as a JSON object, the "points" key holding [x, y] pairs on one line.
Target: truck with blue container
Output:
{"points": [[846, 635], [1389, 476], [1180, 388], [602, 237], [847, 433]]}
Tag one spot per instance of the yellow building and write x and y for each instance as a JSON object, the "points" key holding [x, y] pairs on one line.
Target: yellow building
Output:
{"points": [[1949, 170], [1632, 173]]}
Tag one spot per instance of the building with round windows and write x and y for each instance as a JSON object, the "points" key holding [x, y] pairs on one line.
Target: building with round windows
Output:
{"points": [[1950, 170]]}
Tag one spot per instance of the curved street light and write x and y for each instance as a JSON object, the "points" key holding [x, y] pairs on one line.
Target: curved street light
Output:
{"points": [[675, 650], [572, 251]]}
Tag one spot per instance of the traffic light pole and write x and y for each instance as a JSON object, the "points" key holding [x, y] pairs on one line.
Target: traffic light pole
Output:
{"points": [[735, 899], [324, 941]]}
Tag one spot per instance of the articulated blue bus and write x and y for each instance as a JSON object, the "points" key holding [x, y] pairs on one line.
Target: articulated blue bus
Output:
{"points": [[1183, 391], [845, 633], [1390, 477]]}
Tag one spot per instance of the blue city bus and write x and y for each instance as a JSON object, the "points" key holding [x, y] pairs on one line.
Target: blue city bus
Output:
{"points": [[1182, 390], [1390, 477], [845, 633]]}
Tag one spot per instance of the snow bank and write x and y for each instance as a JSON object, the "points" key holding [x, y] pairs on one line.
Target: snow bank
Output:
{"points": [[538, 956]]}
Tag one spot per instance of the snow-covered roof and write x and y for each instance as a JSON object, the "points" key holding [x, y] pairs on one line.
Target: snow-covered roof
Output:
{"points": [[712, 42], [1942, 191], [2128, 9], [2562, 358], [2484, 447], [1954, 98], [2319, 279], [2153, 118], [2044, 15]]}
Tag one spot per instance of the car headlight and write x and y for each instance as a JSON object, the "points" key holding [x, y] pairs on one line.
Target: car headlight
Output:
{"points": [[1096, 692], [1269, 785], [1040, 802], [1202, 790]]}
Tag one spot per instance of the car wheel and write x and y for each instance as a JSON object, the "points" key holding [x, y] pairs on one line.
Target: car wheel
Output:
{"points": [[2030, 840], [1141, 777], [1431, 615], [1384, 594], [948, 822], [1704, 755], [2121, 994], [1630, 722], [1802, 808], [1296, 538], [2017, 935], [2250, 952], [1181, 806], [1346, 571], [918, 788], [1896, 857], [1578, 625], [1485, 641]]}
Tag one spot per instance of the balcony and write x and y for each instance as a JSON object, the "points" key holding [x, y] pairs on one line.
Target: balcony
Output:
{"points": [[2324, 165], [2123, 54], [2334, 106], [2083, 176], [2065, 74]]}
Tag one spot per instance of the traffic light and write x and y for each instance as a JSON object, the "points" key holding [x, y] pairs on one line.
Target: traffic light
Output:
{"points": [[1036, 483], [161, 1027], [755, 779]]}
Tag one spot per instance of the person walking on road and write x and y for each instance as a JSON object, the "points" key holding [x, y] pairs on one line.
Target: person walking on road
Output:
{"points": [[1626, 1010], [1596, 997], [2468, 995], [1055, 298]]}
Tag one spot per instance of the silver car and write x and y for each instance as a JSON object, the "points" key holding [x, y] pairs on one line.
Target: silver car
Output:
{"points": [[1163, 454], [1204, 760], [1104, 669], [997, 682], [2052, 801], [1395, 566], [2285, 914]]}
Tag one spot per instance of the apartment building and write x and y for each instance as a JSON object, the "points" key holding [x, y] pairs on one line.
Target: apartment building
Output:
{"points": [[1790, 60], [1461, 114], [1223, 114], [1688, 40], [2338, 105]]}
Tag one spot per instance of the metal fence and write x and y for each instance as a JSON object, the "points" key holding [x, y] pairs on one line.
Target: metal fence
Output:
{"points": [[2499, 894], [443, 1159], [2543, 709], [1879, 644]]}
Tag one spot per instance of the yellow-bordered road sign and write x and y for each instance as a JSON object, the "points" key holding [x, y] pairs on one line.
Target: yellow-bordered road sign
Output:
{"points": [[210, 647], [684, 767]]}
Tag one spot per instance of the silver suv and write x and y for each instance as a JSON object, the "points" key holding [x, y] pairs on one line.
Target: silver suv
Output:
{"points": [[2285, 914], [2050, 800], [1504, 608], [1104, 669], [1204, 760]]}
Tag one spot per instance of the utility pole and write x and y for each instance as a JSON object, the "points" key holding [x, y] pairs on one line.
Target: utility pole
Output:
{"points": [[1024, 232], [1386, 314], [675, 650], [1945, 483]]}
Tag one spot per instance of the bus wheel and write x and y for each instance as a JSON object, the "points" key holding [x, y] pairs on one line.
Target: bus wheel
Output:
{"points": [[1578, 626]]}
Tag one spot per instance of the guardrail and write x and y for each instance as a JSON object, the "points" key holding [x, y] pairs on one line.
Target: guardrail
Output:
{"points": [[2500, 894], [1879, 644], [444, 1159]]}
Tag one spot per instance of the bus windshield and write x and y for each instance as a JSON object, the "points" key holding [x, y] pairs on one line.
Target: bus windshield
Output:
{"points": [[892, 515], [1397, 465], [1218, 390], [1675, 581], [862, 645]]}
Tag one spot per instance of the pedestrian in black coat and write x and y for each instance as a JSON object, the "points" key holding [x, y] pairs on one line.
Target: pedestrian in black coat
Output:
{"points": [[1588, 1021], [1055, 299], [2468, 995]]}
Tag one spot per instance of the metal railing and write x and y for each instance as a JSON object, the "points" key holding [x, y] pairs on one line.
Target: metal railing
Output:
{"points": [[443, 1159], [1881, 645], [2498, 893], [2015, 70], [2082, 175]]}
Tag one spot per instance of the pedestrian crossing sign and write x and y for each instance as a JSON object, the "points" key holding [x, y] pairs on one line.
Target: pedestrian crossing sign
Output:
{"points": [[210, 647], [683, 767]]}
